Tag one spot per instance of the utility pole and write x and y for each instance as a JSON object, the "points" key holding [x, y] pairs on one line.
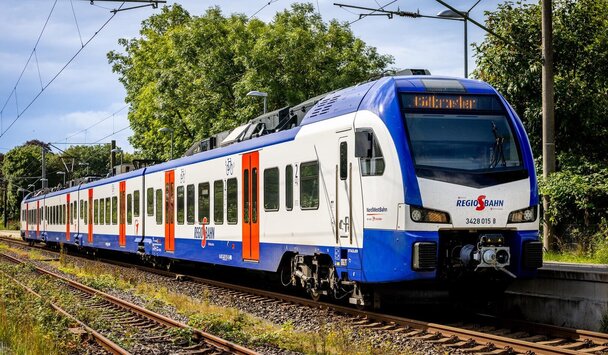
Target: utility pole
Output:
{"points": [[113, 156], [548, 114], [5, 199], [43, 178]]}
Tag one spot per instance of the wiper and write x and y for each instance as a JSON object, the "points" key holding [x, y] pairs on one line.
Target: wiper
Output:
{"points": [[499, 154]]}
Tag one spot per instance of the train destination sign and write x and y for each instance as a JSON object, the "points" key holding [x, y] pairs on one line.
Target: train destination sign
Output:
{"points": [[450, 102]]}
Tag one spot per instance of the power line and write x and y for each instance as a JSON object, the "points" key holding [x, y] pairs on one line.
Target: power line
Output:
{"points": [[19, 114], [110, 135], [262, 8], [14, 91], [96, 123]]}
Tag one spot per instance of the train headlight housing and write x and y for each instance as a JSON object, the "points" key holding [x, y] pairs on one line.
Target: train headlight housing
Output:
{"points": [[524, 215], [426, 215]]}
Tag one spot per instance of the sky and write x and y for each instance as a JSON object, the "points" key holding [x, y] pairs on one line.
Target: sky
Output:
{"points": [[85, 102]]}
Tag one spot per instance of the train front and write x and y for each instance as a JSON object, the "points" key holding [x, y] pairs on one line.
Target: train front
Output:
{"points": [[470, 191]]}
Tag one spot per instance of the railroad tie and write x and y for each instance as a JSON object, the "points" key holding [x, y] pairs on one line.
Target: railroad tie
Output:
{"points": [[594, 349]]}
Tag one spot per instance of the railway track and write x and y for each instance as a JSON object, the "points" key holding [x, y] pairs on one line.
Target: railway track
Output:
{"points": [[489, 335], [154, 328]]}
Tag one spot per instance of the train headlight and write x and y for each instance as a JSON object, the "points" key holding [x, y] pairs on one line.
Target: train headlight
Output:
{"points": [[524, 215], [425, 215]]}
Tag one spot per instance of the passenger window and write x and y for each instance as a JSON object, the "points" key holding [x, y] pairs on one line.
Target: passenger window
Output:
{"points": [[129, 209], [150, 201], [108, 207], [343, 160], [136, 203], [63, 219], [309, 185], [218, 202], [271, 189], [81, 209], [203, 202], [86, 212], [254, 195], [246, 196], [367, 149], [190, 204], [159, 206], [114, 210], [180, 205], [96, 212], [232, 201]]}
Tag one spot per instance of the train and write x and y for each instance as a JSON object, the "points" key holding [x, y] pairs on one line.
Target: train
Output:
{"points": [[396, 180]]}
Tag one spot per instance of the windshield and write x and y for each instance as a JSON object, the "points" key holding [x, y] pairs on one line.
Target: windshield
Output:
{"points": [[462, 141]]}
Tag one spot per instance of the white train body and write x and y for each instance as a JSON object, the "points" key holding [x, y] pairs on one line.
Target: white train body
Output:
{"points": [[341, 211]]}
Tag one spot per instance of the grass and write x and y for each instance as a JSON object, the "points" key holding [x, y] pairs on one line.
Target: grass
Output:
{"points": [[229, 323], [29, 326], [598, 256]]}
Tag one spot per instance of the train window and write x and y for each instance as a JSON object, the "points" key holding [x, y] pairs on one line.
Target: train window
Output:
{"points": [[96, 212], [309, 185], [46, 213], [246, 196], [150, 201], [232, 201], [63, 216], [102, 211], [129, 209], [367, 149], [218, 202], [86, 212], [190, 204], [114, 209], [343, 160], [254, 195], [203, 202], [136, 203], [81, 209], [159, 206], [271, 189], [108, 207], [180, 205]]}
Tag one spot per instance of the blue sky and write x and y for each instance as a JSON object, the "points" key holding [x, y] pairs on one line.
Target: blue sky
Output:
{"points": [[87, 91]]}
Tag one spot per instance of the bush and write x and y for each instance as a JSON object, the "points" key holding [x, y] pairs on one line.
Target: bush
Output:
{"points": [[578, 196]]}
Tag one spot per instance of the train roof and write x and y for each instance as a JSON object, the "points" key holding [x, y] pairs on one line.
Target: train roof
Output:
{"points": [[340, 102]]}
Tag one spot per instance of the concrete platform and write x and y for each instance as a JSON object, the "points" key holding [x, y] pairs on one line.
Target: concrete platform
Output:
{"points": [[564, 294]]}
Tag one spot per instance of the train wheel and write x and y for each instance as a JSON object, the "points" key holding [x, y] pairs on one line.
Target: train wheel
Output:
{"points": [[314, 294]]}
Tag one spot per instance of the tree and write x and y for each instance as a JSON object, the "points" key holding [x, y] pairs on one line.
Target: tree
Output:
{"points": [[191, 73], [578, 191], [581, 78], [88, 160]]}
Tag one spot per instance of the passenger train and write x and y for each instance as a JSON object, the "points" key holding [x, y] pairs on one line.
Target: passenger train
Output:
{"points": [[398, 179]]}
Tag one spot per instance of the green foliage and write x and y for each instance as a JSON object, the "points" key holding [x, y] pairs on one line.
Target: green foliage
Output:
{"points": [[581, 78], [22, 166], [29, 326], [191, 73], [578, 204]]}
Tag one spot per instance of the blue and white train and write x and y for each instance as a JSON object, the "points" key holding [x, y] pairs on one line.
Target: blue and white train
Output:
{"points": [[399, 179]]}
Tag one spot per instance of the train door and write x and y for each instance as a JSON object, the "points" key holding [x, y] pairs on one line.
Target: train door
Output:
{"points": [[343, 208], [170, 210], [67, 217], [90, 216], [122, 228], [251, 223]]}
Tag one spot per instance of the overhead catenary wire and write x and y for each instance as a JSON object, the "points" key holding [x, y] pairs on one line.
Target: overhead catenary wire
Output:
{"points": [[14, 91], [262, 8], [113, 133], [96, 123], [20, 114]]}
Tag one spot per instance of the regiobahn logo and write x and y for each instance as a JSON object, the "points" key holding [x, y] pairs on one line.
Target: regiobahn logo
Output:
{"points": [[480, 203]]}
